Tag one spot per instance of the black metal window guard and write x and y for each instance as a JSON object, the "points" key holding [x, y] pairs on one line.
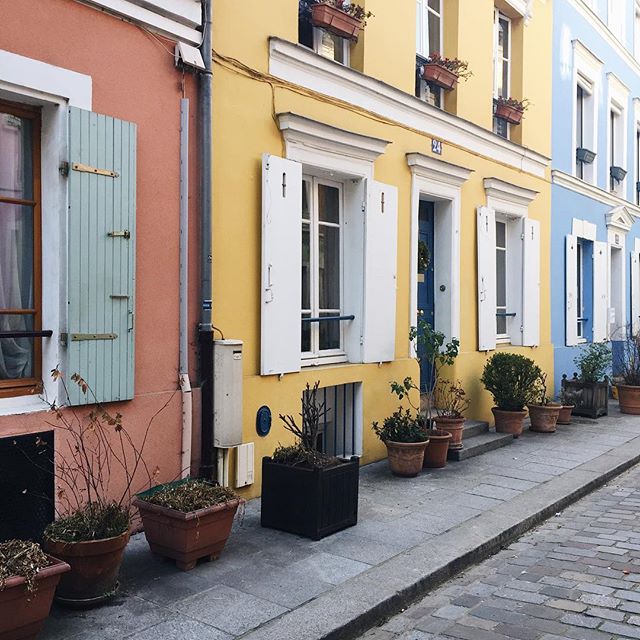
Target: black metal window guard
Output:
{"points": [[504, 314], [329, 319], [46, 333], [339, 433]]}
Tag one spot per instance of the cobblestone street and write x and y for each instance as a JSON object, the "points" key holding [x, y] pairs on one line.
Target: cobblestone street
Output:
{"points": [[576, 576]]}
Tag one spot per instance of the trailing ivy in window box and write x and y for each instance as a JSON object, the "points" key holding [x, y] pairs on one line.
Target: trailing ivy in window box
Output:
{"points": [[585, 155], [510, 109], [617, 173], [445, 72], [338, 17]]}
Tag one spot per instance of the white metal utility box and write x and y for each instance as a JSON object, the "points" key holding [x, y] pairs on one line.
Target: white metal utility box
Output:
{"points": [[227, 393]]}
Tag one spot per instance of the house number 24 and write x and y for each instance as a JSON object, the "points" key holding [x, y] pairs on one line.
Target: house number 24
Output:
{"points": [[436, 147]]}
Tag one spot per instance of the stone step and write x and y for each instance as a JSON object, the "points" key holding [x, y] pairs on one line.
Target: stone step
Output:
{"points": [[474, 428], [479, 444]]}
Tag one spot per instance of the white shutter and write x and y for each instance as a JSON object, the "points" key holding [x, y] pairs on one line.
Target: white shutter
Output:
{"points": [[281, 265], [600, 304], [571, 291], [531, 282], [486, 234], [380, 277], [635, 292]]}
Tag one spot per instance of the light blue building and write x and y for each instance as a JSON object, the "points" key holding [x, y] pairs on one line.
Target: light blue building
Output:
{"points": [[595, 232]]}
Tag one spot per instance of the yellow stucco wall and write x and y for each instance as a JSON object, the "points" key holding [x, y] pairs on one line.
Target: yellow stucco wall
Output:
{"points": [[244, 129]]}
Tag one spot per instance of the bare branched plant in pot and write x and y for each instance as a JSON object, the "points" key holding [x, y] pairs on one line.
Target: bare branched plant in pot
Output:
{"points": [[627, 366], [588, 390], [543, 412], [512, 380], [304, 490], [451, 404]]}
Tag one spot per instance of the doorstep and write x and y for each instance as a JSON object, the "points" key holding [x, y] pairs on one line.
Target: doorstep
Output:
{"points": [[411, 535]]}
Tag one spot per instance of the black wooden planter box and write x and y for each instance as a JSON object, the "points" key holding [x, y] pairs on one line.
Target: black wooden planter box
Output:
{"points": [[591, 399], [310, 502]]}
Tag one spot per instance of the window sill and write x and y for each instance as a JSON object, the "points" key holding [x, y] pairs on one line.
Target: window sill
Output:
{"points": [[324, 360], [22, 404]]}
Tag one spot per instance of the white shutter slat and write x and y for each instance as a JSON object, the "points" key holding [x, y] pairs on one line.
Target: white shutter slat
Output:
{"points": [[281, 265], [486, 236], [531, 282], [380, 273], [635, 292], [571, 291], [600, 304]]}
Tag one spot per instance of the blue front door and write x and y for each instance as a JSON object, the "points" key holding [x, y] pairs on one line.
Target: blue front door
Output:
{"points": [[425, 278]]}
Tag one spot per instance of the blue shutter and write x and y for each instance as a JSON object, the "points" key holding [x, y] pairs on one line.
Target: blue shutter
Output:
{"points": [[101, 256]]}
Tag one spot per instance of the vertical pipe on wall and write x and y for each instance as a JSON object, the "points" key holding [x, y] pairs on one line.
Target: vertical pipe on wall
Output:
{"points": [[185, 383]]}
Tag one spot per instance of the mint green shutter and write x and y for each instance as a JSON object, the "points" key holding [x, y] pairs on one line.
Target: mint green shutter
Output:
{"points": [[101, 256]]}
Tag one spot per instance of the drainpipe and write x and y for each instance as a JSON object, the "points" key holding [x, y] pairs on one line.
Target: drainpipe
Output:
{"points": [[205, 329], [185, 383]]}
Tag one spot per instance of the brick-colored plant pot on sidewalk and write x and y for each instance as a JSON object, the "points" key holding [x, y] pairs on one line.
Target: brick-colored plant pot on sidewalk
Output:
{"points": [[454, 426], [333, 19], [406, 458], [95, 566], [186, 537], [22, 614], [543, 418], [564, 416], [435, 454], [509, 421], [629, 398]]}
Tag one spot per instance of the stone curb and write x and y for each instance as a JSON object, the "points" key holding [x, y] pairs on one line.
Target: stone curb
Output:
{"points": [[355, 606]]}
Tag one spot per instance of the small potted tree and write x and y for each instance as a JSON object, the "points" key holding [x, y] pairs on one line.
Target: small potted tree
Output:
{"points": [[406, 438], [445, 72], [451, 404], [510, 109], [589, 389], [28, 579], [543, 413], [187, 520], [305, 491], [511, 379], [342, 18], [628, 368]]}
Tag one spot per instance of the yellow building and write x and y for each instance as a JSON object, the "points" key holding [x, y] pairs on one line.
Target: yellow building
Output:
{"points": [[334, 159]]}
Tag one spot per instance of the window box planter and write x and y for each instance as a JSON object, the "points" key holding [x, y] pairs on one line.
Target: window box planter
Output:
{"points": [[309, 502], [438, 75], [22, 614], [591, 399], [510, 114], [585, 156], [617, 173], [332, 19]]}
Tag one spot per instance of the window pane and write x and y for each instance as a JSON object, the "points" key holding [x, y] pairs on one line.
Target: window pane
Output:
{"points": [[306, 266], [329, 267], [16, 256], [434, 33], [504, 32], [501, 234], [16, 172], [306, 334], [501, 278], [332, 46], [306, 191], [329, 333], [16, 354], [501, 326], [328, 204], [435, 5], [505, 80]]}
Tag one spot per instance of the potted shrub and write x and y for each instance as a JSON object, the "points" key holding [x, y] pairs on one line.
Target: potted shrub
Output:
{"points": [[342, 18], [305, 491], [628, 367], [543, 413], [28, 579], [445, 72], [566, 407], [510, 109], [511, 379], [450, 407], [187, 520], [406, 438], [589, 389]]}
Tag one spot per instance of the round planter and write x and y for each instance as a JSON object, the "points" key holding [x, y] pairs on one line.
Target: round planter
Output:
{"points": [[509, 421], [95, 566], [543, 418], [454, 426], [435, 454], [22, 614], [629, 398], [406, 458], [564, 417]]}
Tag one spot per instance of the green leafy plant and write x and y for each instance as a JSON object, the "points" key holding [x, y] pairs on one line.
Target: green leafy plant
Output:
{"points": [[627, 362], [458, 67], [24, 559], [451, 398], [593, 362], [401, 426], [512, 380]]}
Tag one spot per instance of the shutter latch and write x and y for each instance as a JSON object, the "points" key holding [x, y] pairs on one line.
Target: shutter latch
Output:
{"points": [[126, 234], [64, 169]]}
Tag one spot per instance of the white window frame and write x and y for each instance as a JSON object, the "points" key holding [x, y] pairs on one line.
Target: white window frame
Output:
{"points": [[619, 222], [580, 291], [506, 336], [617, 104], [318, 34], [323, 356], [423, 12], [497, 65], [616, 19]]}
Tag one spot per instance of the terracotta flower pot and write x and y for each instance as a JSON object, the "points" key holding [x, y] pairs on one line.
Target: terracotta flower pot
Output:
{"points": [[439, 75], [543, 418], [629, 398], [22, 614], [187, 537], [335, 20], [435, 454], [509, 421], [564, 417], [406, 458], [454, 426], [509, 113], [95, 566]]}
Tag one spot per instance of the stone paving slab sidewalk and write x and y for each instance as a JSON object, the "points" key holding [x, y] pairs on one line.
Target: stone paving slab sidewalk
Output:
{"points": [[412, 534]]}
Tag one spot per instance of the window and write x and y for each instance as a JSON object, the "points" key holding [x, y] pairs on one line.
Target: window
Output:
{"points": [[428, 41], [637, 184], [616, 152], [502, 66], [20, 304], [580, 289], [585, 141], [320, 40], [322, 213], [616, 18], [501, 280], [580, 130]]}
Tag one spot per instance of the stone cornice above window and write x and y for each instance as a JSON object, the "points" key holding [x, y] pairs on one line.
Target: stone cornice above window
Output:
{"points": [[438, 170], [523, 8], [620, 218], [508, 198], [618, 91], [587, 64]]}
